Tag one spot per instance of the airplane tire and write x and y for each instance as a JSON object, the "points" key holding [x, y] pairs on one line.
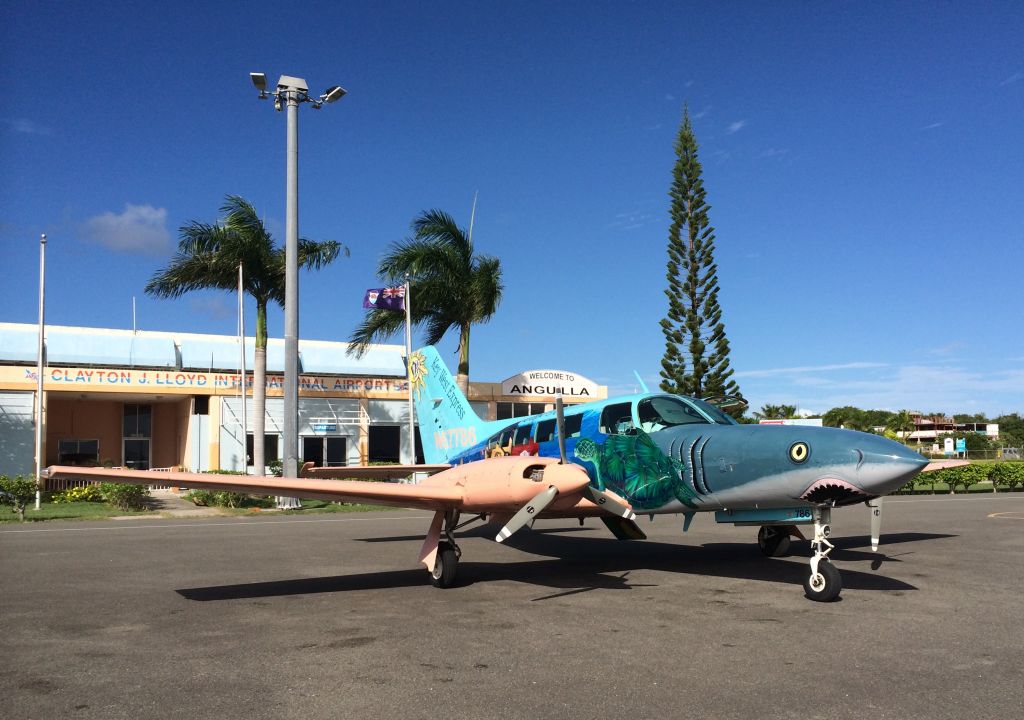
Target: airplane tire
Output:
{"points": [[773, 541], [443, 574], [826, 585]]}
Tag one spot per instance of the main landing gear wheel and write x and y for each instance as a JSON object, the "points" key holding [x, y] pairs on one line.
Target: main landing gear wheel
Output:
{"points": [[824, 585], [773, 541], [447, 562]]}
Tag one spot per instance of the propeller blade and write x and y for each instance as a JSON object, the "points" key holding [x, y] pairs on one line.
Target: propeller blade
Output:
{"points": [[609, 502], [528, 512], [875, 507], [560, 422]]}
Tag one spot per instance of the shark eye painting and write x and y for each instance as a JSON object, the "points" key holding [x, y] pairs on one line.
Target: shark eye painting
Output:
{"points": [[799, 452]]}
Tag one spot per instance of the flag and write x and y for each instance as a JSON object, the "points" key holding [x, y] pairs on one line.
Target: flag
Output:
{"points": [[385, 298]]}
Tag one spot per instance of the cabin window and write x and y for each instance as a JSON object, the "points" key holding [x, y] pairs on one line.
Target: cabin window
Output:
{"points": [[505, 439], [658, 413], [573, 425], [617, 419], [522, 435], [545, 431]]}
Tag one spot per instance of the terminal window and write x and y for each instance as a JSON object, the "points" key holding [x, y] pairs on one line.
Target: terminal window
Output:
{"points": [[78, 452]]}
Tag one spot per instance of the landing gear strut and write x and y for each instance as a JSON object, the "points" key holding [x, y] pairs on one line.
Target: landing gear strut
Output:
{"points": [[448, 553], [824, 583]]}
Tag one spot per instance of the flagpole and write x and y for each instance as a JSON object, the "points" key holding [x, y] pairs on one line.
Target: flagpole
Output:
{"points": [[408, 363], [241, 340], [39, 369]]}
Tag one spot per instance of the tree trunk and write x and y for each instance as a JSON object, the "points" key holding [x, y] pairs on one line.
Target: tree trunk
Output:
{"points": [[259, 392], [462, 377]]}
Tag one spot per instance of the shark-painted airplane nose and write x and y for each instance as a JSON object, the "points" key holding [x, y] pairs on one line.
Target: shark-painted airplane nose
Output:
{"points": [[887, 465], [873, 466]]}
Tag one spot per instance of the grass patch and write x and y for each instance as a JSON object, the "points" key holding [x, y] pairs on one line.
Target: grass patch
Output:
{"points": [[68, 511]]}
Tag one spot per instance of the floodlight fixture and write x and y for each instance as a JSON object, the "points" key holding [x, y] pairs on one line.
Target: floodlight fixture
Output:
{"points": [[333, 94], [259, 81]]}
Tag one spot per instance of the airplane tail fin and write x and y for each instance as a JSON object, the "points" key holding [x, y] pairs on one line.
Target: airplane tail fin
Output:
{"points": [[448, 425]]}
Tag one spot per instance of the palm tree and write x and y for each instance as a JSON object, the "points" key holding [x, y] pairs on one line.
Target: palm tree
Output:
{"points": [[776, 412], [902, 424], [208, 257], [450, 287]]}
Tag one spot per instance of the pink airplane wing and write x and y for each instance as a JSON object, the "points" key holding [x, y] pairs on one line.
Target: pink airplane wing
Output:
{"points": [[426, 496]]}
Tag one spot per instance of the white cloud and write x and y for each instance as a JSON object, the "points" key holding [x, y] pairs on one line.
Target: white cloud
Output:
{"points": [[703, 112], [1016, 77], [27, 127], [670, 96], [773, 152], [737, 126], [139, 229], [924, 388], [802, 370], [933, 126]]}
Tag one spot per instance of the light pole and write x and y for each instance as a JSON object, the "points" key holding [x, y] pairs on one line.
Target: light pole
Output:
{"points": [[39, 368], [290, 92]]}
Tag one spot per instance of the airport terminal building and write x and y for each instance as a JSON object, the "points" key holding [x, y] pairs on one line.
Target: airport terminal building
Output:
{"points": [[149, 400]]}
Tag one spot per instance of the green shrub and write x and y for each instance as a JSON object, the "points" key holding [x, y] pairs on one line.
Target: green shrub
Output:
{"points": [[202, 497], [963, 476], [17, 492], [125, 497], [1009, 475], [230, 499], [84, 493]]}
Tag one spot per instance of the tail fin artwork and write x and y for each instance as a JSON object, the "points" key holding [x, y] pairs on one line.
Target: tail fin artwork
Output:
{"points": [[448, 425]]}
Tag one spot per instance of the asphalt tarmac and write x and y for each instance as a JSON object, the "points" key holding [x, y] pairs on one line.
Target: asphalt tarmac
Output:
{"points": [[328, 616]]}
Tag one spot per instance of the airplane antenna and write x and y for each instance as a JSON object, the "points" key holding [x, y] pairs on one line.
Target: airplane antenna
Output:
{"points": [[643, 385], [560, 420]]}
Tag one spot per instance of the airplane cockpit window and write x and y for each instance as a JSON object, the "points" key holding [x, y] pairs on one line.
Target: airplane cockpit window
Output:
{"points": [[658, 413], [617, 419], [717, 414]]}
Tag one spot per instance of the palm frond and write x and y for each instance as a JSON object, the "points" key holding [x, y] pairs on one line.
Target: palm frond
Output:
{"points": [[376, 325]]}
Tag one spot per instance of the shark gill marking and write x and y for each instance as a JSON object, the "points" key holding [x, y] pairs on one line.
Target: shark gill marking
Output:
{"points": [[694, 464], [699, 461]]}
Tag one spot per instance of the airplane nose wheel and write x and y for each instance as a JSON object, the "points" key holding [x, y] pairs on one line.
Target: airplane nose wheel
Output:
{"points": [[825, 583], [443, 574]]}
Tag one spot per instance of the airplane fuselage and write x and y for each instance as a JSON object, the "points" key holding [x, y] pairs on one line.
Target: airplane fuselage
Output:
{"points": [[670, 454]]}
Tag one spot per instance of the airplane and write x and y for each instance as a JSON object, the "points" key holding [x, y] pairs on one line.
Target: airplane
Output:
{"points": [[651, 453]]}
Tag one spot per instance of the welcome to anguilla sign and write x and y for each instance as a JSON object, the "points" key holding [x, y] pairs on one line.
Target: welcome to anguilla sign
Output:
{"points": [[548, 383]]}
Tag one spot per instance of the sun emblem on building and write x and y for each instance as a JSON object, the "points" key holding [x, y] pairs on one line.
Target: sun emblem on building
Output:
{"points": [[418, 373]]}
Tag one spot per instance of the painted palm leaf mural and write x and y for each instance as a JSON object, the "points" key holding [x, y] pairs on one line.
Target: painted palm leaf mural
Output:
{"points": [[636, 468]]}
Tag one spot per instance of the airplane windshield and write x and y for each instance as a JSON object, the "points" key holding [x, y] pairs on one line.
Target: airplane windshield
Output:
{"points": [[658, 413], [716, 414]]}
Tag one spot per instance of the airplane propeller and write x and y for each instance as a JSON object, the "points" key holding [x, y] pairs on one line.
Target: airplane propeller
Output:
{"points": [[604, 499], [875, 506], [528, 512]]}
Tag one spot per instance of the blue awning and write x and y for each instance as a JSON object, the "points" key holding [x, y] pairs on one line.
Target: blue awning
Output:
{"points": [[74, 346]]}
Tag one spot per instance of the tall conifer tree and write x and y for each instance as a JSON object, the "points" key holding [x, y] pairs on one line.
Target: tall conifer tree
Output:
{"points": [[696, 360]]}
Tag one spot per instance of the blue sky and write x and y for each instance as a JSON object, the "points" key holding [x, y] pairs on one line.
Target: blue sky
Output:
{"points": [[864, 163]]}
